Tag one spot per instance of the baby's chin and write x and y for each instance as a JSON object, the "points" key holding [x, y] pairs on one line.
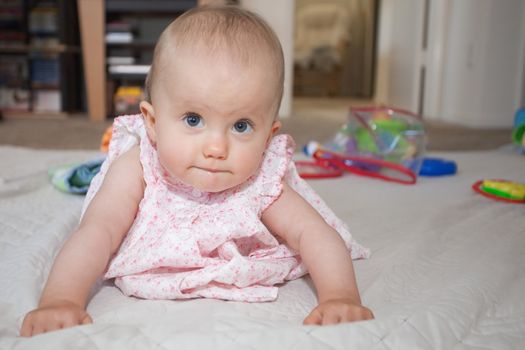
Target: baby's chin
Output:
{"points": [[215, 187]]}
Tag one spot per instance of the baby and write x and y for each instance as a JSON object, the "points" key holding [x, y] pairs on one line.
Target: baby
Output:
{"points": [[198, 196]]}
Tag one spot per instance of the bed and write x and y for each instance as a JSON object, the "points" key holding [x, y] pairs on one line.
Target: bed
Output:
{"points": [[447, 269]]}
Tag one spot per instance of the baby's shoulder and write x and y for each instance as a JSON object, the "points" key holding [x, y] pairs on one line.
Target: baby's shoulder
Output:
{"points": [[127, 165]]}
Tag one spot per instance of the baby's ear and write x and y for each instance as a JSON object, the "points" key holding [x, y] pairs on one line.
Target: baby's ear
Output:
{"points": [[149, 117], [275, 127]]}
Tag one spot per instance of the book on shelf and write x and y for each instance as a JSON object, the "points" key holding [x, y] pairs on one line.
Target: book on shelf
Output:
{"points": [[45, 71], [139, 69], [13, 70], [119, 37], [12, 38], [11, 19], [14, 99], [43, 20], [121, 60], [120, 32], [12, 30], [39, 56], [47, 101], [45, 42], [120, 27]]}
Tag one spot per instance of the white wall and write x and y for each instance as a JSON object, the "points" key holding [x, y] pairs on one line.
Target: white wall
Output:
{"points": [[399, 53], [475, 60], [381, 95], [280, 16], [484, 62]]}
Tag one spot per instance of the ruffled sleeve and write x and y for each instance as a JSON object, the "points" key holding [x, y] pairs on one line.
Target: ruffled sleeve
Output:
{"points": [[275, 163], [127, 132]]}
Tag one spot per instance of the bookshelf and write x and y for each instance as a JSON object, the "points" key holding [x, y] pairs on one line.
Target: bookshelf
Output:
{"points": [[132, 29], [118, 38], [102, 82], [40, 67]]}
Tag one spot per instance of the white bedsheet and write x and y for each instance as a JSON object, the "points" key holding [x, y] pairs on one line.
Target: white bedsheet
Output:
{"points": [[447, 269]]}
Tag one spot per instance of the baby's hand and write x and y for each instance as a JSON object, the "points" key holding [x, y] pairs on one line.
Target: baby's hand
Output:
{"points": [[58, 315], [337, 311]]}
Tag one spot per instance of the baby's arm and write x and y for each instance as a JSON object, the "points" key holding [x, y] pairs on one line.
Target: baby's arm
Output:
{"points": [[84, 257], [325, 255]]}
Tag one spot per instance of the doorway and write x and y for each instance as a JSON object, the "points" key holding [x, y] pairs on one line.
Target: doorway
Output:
{"points": [[334, 48]]}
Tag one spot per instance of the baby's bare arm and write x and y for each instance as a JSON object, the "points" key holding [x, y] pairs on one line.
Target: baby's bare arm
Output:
{"points": [[84, 257], [325, 255]]}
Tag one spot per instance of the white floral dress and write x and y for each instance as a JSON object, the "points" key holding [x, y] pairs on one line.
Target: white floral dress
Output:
{"points": [[185, 243]]}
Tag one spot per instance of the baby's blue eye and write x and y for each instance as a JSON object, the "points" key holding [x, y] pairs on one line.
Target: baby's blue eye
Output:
{"points": [[193, 120], [242, 126]]}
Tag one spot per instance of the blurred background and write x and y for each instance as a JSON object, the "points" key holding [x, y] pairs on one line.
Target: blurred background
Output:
{"points": [[67, 67]]}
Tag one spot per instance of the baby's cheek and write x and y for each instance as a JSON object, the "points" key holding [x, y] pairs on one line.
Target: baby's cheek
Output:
{"points": [[170, 160], [251, 165]]}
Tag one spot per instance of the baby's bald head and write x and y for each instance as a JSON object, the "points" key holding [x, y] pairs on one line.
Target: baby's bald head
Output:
{"points": [[222, 33]]}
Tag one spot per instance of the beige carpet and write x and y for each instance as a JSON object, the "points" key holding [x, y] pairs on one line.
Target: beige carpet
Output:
{"points": [[312, 119]]}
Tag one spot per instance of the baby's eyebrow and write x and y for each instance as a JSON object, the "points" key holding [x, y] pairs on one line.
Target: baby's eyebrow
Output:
{"points": [[247, 120]]}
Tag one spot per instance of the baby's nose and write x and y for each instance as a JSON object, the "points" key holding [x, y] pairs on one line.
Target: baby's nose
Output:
{"points": [[216, 146]]}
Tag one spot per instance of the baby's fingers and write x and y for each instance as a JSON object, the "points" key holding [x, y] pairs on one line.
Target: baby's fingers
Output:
{"points": [[333, 313], [73, 320], [33, 326], [27, 327], [314, 318], [323, 318], [86, 320], [37, 322], [356, 314]]}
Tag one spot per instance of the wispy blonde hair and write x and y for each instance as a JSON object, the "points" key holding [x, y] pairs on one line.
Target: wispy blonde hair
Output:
{"points": [[242, 33]]}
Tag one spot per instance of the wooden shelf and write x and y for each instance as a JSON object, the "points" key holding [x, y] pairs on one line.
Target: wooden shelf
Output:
{"points": [[152, 6], [137, 45], [45, 86], [25, 49], [139, 77], [42, 61]]}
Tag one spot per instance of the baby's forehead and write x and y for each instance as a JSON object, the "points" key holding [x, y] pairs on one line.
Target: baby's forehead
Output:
{"points": [[247, 55], [241, 47], [225, 57]]}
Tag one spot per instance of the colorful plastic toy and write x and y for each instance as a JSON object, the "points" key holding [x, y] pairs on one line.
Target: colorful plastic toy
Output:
{"points": [[317, 169], [371, 167], [518, 134], [437, 167], [380, 142], [501, 190]]}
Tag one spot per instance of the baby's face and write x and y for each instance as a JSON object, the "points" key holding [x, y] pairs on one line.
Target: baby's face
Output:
{"points": [[212, 120]]}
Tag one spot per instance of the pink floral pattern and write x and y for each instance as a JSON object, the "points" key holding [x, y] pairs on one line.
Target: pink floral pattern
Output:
{"points": [[185, 243]]}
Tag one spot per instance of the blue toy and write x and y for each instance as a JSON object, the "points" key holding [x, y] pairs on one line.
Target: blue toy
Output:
{"points": [[518, 135], [437, 167]]}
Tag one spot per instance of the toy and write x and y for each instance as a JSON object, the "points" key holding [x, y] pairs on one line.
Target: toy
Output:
{"points": [[380, 142], [127, 99], [437, 167], [518, 134], [502, 190], [106, 138], [318, 169], [376, 168]]}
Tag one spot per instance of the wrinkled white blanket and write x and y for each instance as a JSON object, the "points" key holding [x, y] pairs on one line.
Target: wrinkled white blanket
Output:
{"points": [[447, 269]]}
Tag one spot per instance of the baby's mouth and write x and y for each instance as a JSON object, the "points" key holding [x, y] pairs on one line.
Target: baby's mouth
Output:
{"points": [[211, 170]]}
